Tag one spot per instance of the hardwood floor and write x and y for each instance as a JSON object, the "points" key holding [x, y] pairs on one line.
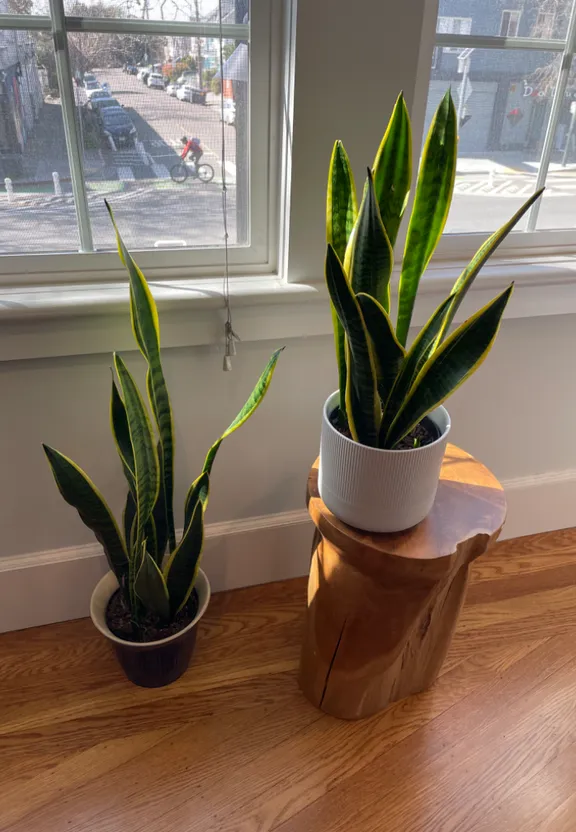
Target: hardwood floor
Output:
{"points": [[234, 746]]}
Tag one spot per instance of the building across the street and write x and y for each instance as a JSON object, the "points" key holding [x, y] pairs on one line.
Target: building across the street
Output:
{"points": [[21, 94]]}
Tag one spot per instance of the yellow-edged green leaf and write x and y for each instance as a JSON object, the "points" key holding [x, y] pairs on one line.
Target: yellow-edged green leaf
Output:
{"points": [[182, 566], [128, 518], [199, 490], [253, 401], [150, 586], [430, 209], [393, 169], [341, 212], [369, 256], [146, 469], [147, 333], [121, 434], [80, 492], [415, 359], [485, 251], [362, 402], [449, 366], [388, 353]]}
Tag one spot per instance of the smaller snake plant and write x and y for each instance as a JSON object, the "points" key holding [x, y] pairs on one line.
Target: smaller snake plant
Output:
{"points": [[155, 572], [387, 387]]}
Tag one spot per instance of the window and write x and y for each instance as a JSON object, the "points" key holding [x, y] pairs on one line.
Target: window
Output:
{"points": [[104, 116], [515, 109], [453, 26], [509, 24]]}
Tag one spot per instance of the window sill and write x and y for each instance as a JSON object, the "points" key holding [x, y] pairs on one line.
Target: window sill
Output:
{"points": [[49, 321]]}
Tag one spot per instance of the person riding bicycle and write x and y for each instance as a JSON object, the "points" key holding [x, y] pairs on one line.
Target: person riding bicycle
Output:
{"points": [[193, 148]]}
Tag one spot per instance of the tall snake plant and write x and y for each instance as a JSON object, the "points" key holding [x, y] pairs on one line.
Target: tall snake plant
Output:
{"points": [[387, 387], [155, 572]]}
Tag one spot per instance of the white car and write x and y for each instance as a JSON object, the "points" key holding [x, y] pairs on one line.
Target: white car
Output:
{"points": [[156, 80], [97, 92], [192, 94], [229, 114], [172, 88]]}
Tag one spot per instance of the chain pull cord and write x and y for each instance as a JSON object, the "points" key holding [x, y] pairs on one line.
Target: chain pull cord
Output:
{"points": [[230, 337]]}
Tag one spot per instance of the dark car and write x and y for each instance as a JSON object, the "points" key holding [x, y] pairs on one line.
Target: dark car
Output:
{"points": [[116, 124]]}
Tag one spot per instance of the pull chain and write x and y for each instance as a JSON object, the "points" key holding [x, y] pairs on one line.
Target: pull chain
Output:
{"points": [[230, 337]]}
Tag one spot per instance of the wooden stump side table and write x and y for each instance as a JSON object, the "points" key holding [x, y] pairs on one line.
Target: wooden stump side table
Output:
{"points": [[382, 608]]}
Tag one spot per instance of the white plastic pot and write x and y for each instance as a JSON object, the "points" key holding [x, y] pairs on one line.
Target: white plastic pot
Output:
{"points": [[377, 490]]}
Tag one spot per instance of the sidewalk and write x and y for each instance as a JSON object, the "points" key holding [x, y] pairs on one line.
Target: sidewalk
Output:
{"points": [[508, 163]]}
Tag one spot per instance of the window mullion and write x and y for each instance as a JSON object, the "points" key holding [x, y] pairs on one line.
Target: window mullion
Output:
{"points": [[73, 143], [557, 102]]}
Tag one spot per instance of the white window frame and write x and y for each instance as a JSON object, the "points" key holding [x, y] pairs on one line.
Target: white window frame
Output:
{"points": [[530, 242], [513, 23], [260, 256]]}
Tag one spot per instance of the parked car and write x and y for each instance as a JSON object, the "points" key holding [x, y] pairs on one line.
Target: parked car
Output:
{"points": [[190, 78], [156, 80], [115, 123], [172, 88], [89, 77], [192, 94], [144, 75], [92, 85], [228, 116], [96, 104], [97, 92]]}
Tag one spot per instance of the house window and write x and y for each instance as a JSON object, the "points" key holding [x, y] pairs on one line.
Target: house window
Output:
{"points": [[544, 27], [104, 117], [454, 26], [516, 133], [509, 24]]}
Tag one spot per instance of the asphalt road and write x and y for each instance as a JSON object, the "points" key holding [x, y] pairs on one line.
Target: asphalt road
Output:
{"points": [[151, 209]]}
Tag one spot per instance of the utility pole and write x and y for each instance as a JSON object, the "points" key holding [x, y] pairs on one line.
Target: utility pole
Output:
{"points": [[199, 59]]}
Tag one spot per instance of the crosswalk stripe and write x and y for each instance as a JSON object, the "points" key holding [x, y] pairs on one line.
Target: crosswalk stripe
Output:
{"points": [[125, 173]]}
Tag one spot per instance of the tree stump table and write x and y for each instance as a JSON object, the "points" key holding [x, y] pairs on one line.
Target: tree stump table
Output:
{"points": [[382, 608]]}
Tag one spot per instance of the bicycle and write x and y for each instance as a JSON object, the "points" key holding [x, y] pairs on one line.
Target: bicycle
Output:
{"points": [[181, 171]]}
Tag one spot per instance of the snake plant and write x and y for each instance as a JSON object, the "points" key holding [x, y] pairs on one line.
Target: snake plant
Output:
{"points": [[386, 386], [155, 572]]}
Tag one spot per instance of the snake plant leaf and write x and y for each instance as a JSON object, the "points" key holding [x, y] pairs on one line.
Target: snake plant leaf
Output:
{"points": [[150, 586], [369, 257], [416, 357], [430, 209], [182, 566], [121, 434], [485, 251], [80, 492], [199, 490], [128, 518], [146, 329], [254, 400], [159, 518], [146, 467], [388, 353], [393, 169], [362, 401], [449, 366]]}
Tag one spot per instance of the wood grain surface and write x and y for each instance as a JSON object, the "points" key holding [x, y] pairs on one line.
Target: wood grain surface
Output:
{"points": [[382, 608], [234, 746]]}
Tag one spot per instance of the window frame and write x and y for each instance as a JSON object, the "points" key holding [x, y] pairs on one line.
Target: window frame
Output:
{"points": [[546, 243], [513, 15], [261, 255]]}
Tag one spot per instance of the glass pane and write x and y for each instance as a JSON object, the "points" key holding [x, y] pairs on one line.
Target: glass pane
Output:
{"points": [[203, 11], [503, 99], [505, 18], [133, 122], [23, 7], [36, 203]]}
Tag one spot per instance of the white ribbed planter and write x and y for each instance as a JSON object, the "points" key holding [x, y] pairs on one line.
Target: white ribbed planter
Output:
{"points": [[374, 489]]}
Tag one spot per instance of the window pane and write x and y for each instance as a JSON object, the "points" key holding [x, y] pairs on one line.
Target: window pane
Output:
{"points": [[133, 130], [506, 18], [19, 7], [36, 204], [204, 11], [503, 98]]}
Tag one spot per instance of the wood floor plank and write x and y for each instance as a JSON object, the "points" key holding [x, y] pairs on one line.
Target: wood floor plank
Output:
{"points": [[234, 747]]}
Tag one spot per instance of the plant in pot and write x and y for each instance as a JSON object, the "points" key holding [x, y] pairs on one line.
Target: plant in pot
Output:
{"points": [[149, 603], [384, 431]]}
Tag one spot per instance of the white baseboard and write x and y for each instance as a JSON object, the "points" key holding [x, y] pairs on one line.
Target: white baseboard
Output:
{"points": [[44, 587]]}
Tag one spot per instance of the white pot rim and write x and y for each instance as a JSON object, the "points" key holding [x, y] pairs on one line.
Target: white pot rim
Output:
{"points": [[100, 621], [329, 406]]}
